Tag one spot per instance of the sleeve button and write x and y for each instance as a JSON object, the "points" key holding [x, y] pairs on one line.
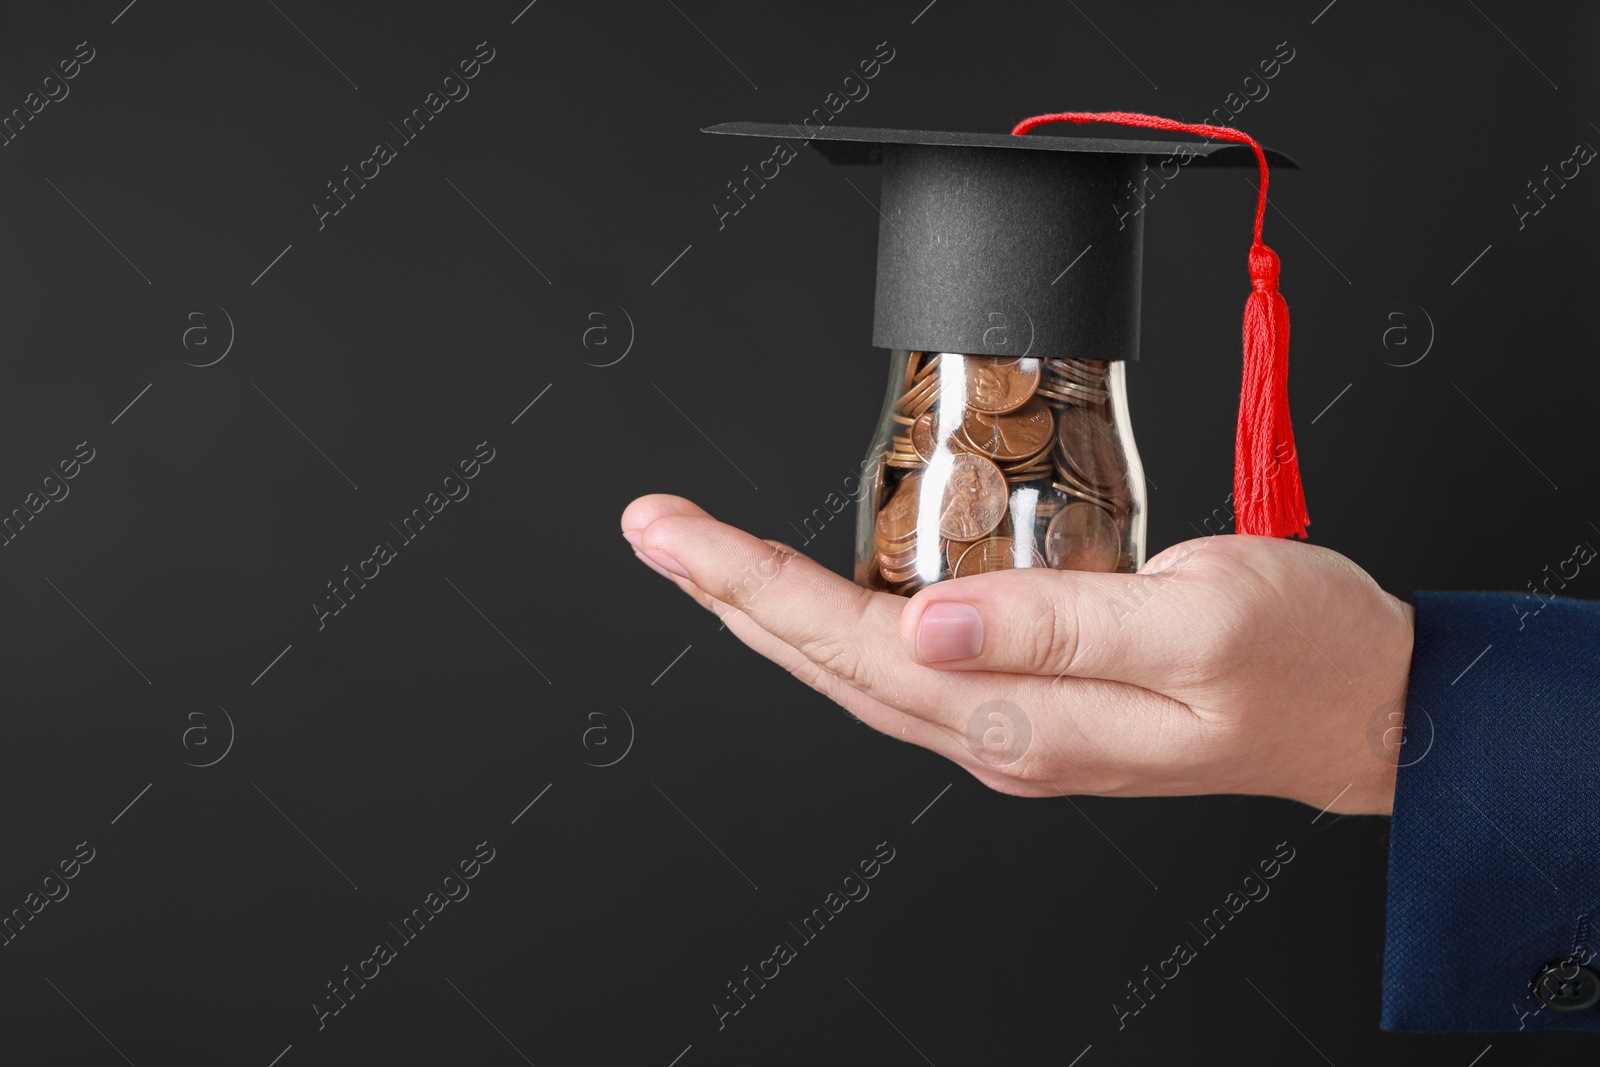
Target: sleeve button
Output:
{"points": [[1567, 987]]}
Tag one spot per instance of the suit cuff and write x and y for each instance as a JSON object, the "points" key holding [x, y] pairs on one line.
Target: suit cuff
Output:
{"points": [[1494, 853]]}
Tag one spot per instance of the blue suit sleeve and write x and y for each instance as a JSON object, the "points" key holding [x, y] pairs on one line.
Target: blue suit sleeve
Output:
{"points": [[1494, 853]]}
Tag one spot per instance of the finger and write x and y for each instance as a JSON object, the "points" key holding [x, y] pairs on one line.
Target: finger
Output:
{"points": [[1095, 736], [647, 509], [1144, 629], [880, 716], [847, 631], [876, 714]]}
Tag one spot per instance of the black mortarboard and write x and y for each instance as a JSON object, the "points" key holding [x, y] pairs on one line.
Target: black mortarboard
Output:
{"points": [[1006, 245]]}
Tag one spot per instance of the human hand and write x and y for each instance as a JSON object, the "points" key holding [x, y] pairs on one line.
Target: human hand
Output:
{"points": [[1228, 664]]}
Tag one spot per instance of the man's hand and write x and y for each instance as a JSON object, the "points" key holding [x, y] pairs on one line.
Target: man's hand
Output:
{"points": [[1229, 664]]}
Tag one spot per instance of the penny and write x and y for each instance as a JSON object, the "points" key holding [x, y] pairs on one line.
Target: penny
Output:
{"points": [[897, 522], [1087, 371], [1086, 450], [899, 574], [1012, 436], [1078, 492], [1040, 460], [994, 554], [898, 558], [911, 398], [954, 549], [1066, 393], [1083, 537], [996, 385], [913, 362], [974, 499], [891, 548], [927, 441], [926, 403]]}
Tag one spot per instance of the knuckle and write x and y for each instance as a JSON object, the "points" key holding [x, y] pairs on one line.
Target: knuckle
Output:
{"points": [[808, 673], [836, 656], [1050, 642], [760, 571]]}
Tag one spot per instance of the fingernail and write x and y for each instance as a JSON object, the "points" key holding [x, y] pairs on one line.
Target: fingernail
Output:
{"points": [[633, 538], [950, 630], [666, 562], [652, 564]]}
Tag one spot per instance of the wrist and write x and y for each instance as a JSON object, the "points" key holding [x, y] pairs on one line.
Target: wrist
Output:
{"points": [[1388, 741]]}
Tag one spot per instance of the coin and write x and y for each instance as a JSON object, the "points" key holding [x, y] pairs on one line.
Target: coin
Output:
{"points": [[996, 386], [898, 574], [974, 499], [897, 522], [1012, 436], [1040, 461], [1083, 537], [954, 549], [913, 362], [1086, 450], [994, 554], [898, 559], [1078, 492], [919, 392], [1088, 371], [1066, 393], [926, 440]]}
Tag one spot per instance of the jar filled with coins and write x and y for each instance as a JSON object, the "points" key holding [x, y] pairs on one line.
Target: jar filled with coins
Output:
{"points": [[986, 463], [1008, 294]]}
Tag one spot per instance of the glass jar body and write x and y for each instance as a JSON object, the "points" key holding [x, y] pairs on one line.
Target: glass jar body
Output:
{"points": [[984, 463]]}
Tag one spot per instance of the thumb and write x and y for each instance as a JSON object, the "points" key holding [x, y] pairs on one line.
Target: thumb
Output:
{"points": [[1144, 629]]}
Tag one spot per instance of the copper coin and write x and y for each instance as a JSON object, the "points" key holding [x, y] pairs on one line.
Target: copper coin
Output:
{"points": [[926, 438], [901, 574], [913, 361], [1076, 441], [994, 554], [1083, 537], [954, 549], [1088, 371], [1087, 450], [1066, 393], [1040, 458], [974, 499], [1077, 493], [996, 385], [897, 521], [1013, 436], [923, 388], [926, 403], [898, 560]]}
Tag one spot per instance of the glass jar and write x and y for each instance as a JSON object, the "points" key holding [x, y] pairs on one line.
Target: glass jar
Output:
{"points": [[988, 463]]}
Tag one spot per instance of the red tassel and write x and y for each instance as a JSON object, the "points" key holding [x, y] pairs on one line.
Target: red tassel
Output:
{"points": [[1268, 498]]}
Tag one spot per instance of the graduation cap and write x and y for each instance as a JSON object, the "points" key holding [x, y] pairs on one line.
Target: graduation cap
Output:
{"points": [[1047, 233]]}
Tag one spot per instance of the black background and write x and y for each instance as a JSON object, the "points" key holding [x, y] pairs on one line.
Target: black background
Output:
{"points": [[408, 330]]}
